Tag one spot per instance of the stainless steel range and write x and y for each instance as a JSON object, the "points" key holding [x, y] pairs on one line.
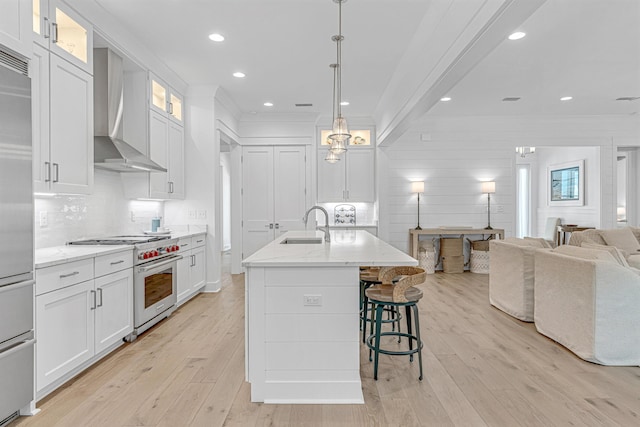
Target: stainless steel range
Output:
{"points": [[155, 269]]}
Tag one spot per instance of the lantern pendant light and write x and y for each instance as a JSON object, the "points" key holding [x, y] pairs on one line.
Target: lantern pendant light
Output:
{"points": [[340, 131]]}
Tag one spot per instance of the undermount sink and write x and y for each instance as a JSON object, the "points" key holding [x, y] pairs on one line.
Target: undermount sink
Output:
{"points": [[302, 241]]}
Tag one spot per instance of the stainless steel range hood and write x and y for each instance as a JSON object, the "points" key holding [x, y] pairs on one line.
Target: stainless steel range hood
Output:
{"points": [[111, 152]]}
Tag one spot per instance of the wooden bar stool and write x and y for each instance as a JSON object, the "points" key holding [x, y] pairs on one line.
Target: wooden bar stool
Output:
{"points": [[368, 278], [402, 294]]}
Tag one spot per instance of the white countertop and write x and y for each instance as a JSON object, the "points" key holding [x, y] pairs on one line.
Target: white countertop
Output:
{"points": [[347, 247], [47, 257]]}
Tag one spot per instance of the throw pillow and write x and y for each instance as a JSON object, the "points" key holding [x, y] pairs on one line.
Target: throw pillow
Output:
{"points": [[538, 241], [621, 238], [636, 232], [615, 252], [584, 253]]}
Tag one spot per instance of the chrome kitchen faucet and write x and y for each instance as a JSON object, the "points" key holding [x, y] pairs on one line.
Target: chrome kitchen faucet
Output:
{"points": [[327, 238]]}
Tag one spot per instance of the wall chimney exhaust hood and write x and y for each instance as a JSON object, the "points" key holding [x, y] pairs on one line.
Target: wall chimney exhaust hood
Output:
{"points": [[111, 152]]}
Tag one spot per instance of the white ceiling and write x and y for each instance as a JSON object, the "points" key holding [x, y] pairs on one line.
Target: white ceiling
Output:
{"points": [[589, 49]]}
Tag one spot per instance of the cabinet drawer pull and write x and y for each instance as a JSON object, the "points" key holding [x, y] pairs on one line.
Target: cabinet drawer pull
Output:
{"points": [[63, 276], [199, 241], [117, 262]]}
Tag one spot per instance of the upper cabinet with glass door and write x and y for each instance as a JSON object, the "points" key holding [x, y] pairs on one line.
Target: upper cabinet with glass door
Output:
{"points": [[63, 32], [165, 100]]}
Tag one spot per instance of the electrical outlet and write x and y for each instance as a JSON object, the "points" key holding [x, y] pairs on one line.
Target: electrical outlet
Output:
{"points": [[315, 300], [202, 214], [193, 214], [500, 208], [133, 216], [44, 219]]}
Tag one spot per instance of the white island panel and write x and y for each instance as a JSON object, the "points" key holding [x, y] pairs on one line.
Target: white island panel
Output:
{"points": [[302, 351]]}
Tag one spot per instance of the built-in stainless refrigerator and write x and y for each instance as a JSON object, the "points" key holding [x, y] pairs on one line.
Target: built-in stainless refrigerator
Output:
{"points": [[16, 228]]}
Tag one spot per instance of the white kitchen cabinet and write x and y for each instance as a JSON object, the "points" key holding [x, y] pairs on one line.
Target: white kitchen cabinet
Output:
{"points": [[58, 28], [166, 101], [274, 193], [192, 267], [351, 179], [64, 331], [114, 308], [83, 308], [15, 26], [62, 110], [166, 147]]}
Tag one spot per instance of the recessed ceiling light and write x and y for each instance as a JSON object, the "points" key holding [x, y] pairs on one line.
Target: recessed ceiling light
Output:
{"points": [[216, 37], [566, 98], [517, 35], [344, 103], [238, 74], [445, 99], [268, 104]]}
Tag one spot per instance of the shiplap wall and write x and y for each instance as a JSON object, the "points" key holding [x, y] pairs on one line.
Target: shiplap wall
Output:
{"points": [[454, 154], [453, 170]]}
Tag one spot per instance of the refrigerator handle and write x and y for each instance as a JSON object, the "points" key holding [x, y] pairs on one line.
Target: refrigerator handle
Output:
{"points": [[15, 348]]}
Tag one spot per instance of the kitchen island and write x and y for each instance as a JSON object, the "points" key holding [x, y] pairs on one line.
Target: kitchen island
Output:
{"points": [[302, 315]]}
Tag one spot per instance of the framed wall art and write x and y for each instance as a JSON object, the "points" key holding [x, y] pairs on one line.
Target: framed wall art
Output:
{"points": [[566, 184]]}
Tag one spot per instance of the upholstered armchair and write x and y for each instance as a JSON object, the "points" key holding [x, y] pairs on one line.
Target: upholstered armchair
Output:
{"points": [[586, 301]]}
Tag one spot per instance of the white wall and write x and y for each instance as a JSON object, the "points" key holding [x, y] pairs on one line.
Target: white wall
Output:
{"points": [[225, 178], [453, 154], [105, 212], [587, 215], [452, 170]]}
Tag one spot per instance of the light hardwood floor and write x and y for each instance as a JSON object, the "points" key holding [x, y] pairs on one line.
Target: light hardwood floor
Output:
{"points": [[482, 368]]}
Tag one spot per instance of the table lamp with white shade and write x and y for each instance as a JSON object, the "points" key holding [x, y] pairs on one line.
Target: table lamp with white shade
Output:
{"points": [[489, 187], [418, 187]]}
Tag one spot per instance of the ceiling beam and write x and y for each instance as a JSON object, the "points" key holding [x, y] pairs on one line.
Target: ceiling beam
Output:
{"points": [[453, 38]]}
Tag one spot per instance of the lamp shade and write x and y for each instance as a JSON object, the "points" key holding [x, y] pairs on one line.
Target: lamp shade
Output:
{"points": [[489, 187], [417, 187]]}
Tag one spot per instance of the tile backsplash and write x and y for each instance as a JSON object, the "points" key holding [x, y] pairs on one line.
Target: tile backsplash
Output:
{"points": [[61, 218]]}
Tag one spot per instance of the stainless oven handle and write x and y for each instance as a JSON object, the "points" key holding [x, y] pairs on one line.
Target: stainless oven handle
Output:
{"points": [[160, 264]]}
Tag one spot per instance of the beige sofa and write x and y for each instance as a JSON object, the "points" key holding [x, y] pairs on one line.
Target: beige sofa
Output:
{"points": [[621, 238], [511, 275], [586, 301]]}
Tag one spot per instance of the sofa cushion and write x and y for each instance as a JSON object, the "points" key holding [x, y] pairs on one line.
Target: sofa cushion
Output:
{"points": [[580, 252], [615, 252], [636, 232], [538, 242], [622, 238]]}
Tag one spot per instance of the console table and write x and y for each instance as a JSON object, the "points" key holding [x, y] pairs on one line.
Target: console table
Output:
{"points": [[414, 234]]}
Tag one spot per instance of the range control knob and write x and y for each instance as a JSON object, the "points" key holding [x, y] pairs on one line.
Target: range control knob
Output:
{"points": [[177, 247]]}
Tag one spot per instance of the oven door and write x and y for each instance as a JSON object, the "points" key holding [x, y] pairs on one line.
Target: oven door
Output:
{"points": [[155, 288]]}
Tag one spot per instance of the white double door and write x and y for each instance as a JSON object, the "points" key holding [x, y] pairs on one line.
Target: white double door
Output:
{"points": [[274, 193]]}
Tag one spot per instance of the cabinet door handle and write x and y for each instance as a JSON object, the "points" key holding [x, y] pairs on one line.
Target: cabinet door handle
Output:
{"points": [[46, 32], [277, 226], [171, 108], [100, 292], [93, 294], [193, 260], [54, 37], [170, 186], [63, 276], [47, 171], [56, 172], [117, 262], [348, 195]]}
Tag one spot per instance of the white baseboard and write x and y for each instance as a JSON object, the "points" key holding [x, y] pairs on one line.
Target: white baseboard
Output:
{"points": [[212, 287]]}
